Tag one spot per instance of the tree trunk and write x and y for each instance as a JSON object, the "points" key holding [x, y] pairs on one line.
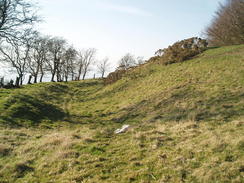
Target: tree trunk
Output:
{"points": [[17, 82], [63, 78], [72, 76], [84, 75], [2, 82], [41, 78], [57, 77], [30, 77], [79, 75], [52, 79], [21, 78], [35, 79]]}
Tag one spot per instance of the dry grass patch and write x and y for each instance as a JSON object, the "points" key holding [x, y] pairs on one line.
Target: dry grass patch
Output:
{"points": [[5, 150]]}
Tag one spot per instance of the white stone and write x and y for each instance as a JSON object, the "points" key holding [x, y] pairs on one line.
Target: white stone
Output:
{"points": [[122, 130]]}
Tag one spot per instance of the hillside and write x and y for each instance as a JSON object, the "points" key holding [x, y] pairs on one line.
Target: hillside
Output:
{"points": [[186, 125]]}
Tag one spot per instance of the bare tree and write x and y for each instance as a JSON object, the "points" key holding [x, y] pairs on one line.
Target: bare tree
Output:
{"points": [[85, 58], [227, 27], [89, 56], [17, 56], [68, 63], [127, 61], [55, 53], [80, 64], [15, 16], [103, 67], [37, 57], [73, 65], [42, 53]]}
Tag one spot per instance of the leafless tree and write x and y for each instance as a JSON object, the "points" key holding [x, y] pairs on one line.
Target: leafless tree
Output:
{"points": [[55, 53], [36, 61], [103, 67], [68, 63], [17, 55], [80, 64], [15, 16], [127, 61], [73, 65], [227, 27], [89, 56], [43, 55], [86, 57]]}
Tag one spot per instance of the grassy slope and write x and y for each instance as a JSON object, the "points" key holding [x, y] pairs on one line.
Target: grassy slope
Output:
{"points": [[73, 138]]}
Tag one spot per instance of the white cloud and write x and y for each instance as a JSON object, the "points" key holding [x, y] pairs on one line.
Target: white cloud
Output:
{"points": [[124, 9]]}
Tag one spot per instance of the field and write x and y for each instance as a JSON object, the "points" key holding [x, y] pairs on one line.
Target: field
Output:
{"points": [[186, 125]]}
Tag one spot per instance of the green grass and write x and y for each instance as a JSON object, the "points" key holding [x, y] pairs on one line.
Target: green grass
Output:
{"points": [[157, 152], [186, 125]]}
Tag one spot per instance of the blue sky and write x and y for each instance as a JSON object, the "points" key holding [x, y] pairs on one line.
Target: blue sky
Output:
{"points": [[116, 27]]}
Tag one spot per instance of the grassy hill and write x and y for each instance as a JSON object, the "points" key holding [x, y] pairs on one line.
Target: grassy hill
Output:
{"points": [[187, 124]]}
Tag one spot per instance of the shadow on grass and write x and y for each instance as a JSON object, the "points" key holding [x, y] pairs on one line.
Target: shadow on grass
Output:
{"points": [[187, 104], [212, 47], [28, 109]]}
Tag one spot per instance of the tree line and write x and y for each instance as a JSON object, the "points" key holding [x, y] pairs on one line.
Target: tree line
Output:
{"points": [[28, 52], [38, 55]]}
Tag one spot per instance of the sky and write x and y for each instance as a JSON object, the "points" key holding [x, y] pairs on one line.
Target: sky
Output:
{"points": [[116, 27]]}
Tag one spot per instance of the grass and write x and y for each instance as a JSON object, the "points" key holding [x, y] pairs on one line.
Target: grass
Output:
{"points": [[157, 152], [186, 125]]}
